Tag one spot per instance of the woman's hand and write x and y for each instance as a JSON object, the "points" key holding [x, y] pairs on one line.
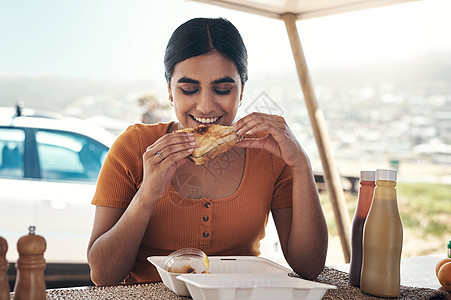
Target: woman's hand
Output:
{"points": [[161, 160], [280, 140]]}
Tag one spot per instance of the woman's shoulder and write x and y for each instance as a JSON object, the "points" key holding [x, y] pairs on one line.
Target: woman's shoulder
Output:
{"points": [[137, 137], [154, 129], [145, 131]]}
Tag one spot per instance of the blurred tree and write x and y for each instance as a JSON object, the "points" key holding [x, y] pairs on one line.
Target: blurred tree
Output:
{"points": [[153, 108]]}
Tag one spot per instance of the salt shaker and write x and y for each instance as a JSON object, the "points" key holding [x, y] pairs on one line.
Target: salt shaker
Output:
{"points": [[4, 286], [30, 283]]}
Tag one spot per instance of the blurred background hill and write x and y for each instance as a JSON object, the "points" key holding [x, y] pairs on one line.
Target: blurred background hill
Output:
{"points": [[397, 111]]}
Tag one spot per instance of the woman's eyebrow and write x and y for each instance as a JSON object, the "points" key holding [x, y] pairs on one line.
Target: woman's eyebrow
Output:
{"points": [[223, 79], [188, 80]]}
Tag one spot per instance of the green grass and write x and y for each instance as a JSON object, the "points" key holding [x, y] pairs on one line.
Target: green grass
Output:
{"points": [[425, 211], [426, 208]]}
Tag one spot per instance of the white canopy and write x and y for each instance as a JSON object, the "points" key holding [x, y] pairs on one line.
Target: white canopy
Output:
{"points": [[290, 11], [302, 9]]}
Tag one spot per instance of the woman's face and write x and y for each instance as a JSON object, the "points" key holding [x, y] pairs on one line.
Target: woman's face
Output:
{"points": [[205, 89]]}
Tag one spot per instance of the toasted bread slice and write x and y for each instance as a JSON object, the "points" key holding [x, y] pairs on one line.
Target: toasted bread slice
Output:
{"points": [[211, 140]]}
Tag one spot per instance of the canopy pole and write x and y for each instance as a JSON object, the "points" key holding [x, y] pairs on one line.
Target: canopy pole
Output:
{"points": [[331, 176]]}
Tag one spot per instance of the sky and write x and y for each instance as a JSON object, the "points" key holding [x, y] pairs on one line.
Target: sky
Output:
{"points": [[125, 39]]}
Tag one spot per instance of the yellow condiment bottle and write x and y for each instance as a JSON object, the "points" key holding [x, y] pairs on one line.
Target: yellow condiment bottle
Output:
{"points": [[382, 240]]}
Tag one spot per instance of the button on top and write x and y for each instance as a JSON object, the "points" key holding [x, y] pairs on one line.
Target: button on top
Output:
{"points": [[208, 204]]}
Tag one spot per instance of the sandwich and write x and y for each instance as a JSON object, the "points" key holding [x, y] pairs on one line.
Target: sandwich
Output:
{"points": [[211, 141]]}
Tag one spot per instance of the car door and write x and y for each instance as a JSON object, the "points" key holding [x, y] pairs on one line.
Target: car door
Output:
{"points": [[69, 165]]}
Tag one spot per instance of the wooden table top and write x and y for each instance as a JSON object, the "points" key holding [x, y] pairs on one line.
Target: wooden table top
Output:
{"points": [[418, 281]]}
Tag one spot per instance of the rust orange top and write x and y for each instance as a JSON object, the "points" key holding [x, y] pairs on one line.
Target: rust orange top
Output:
{"points": [[228, 226]]}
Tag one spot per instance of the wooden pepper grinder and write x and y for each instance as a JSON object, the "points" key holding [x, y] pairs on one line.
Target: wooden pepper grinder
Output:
{"points": [[4, 285], [30, 283]]}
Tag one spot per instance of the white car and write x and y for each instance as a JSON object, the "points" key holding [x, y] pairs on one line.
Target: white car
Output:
{"points": [[48, 171]]}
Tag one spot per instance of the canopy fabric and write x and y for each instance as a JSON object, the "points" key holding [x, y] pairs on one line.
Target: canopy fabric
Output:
{"points": [[302, 9]]}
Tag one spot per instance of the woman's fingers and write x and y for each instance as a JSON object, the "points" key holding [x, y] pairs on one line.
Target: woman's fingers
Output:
{"points": [[259, 122], [171, 139], [161, 160], [171, 147], [173, 153], [280, 140], [175, 157]]}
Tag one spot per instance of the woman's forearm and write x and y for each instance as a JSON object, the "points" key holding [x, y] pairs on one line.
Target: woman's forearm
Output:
{"points": [[112, 255], [308, 238]]}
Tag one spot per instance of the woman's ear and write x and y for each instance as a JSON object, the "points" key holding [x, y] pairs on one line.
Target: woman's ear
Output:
{"points": [[171, 99], [241, 94]]}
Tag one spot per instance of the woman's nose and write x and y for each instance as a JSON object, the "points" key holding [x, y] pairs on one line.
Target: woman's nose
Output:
{"points": [[206, 103]]}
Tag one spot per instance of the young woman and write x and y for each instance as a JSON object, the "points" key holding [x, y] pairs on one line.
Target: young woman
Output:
{"points": [[152, 200]]}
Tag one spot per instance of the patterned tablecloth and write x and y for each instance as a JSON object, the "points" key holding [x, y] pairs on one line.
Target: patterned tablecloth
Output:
{"points": [[345, 291], [157, 291]]}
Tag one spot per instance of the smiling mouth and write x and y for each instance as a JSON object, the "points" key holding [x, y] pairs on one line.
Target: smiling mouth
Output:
{"points": [[210, 120]]}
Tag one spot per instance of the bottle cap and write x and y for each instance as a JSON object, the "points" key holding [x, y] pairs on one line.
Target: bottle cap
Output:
{"points": [[367, 175], [386, 174]]}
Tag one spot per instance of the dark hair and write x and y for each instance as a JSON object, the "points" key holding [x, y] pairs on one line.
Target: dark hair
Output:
{"points": [[203, 35]]}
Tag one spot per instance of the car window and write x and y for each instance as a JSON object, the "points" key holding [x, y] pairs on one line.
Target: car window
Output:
{"points": [[12, 151], [66, 156]]}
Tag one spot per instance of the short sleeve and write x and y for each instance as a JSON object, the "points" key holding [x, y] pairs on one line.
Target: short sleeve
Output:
{"points": [[117, 182], [121, 173]]}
